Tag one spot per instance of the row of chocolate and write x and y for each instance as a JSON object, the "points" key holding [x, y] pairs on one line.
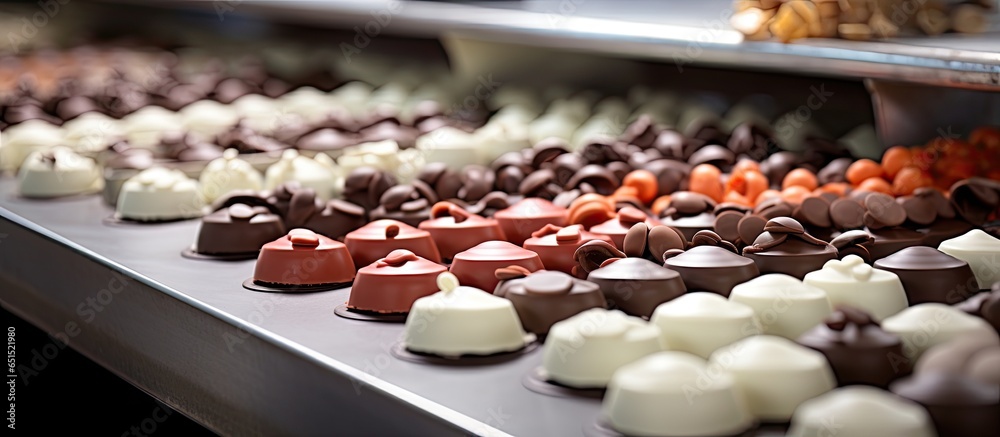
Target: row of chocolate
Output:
{"points": [[772, 346]]}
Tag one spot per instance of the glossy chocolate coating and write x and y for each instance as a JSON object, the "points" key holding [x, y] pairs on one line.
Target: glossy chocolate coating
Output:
{"points": [[545, 297], [858, 350], [976, 198], [619, 225], [408, 203], [476, 266], [238, 229], [958, 405], [365, 186], [637, 286], [522, 219], [455, 230], [377, 239], [303, 257], [785, 247], [556, 246], [712, 268], [985, 305], [929, 275], [855, 242], [689, 212], [391, 284]]}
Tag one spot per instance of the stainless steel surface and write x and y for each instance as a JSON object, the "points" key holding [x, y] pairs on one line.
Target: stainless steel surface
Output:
{"points": [[242, 362], [674, 31]]}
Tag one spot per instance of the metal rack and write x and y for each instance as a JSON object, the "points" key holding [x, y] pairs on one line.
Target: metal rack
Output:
{"points": [[681, 32]]}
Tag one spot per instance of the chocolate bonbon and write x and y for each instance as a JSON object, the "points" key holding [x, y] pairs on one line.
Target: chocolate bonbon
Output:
{"points": [[775, 374], [925, 325], [520, 220], [618, 225], [556, 246], [981, 251], [21, 140], [785, 247], [58, 172], [302, 260], [159, 194], [602, 341], [454, 229], [958, 405], [712, 268], [306, 171], [377, 239], [858, 411], [785, 306], [393, 283], [543, 298], [975, 356], [237, 231], [701, 322], [858, 349], [227, 174], [851, 282], [648, 397], [475, 266], [462, 320], [637, 286], [689, 212], [929, 275]]}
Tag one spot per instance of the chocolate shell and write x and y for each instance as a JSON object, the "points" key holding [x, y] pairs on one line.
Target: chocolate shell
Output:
{"points": [[618, 226], [545, 297], [637, 286], [303, 258], [785, 247], [377, 239], [476, 266], [858, 350], [238, 230], [929, 275], [520, 220], [454, 230], [712, 268], [958, 405], [556, 245], [689, 212], [391, 284]]}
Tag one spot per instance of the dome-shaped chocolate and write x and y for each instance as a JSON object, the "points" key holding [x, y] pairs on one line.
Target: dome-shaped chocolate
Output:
{"points": [[785, 247], [636, 285], [858, 350], [929, 275], [712, 268]]}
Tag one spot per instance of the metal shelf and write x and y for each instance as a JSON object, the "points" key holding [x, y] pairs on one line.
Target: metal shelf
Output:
{"points": [[237, 361], [682, 32]]}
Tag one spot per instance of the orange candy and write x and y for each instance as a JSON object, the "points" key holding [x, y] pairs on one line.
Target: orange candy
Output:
{"points": [[660, 204], [894, 159], [748, 183], [795, 193], [875, 184], [591, 209], [767, 194], [863, 169], [624, 191], [745, 165], [908, 180], [644, 183], [734, 197], [705, 179], [838, 188], [800, 177]]}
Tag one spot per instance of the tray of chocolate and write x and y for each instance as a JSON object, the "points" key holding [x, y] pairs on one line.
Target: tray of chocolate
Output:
{"points": [[532, 271]]}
